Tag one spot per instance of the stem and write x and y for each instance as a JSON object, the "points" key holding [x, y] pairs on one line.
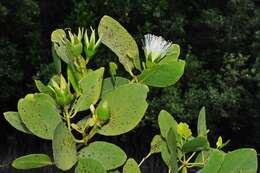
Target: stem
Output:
{"points": [[146, 157], [190, 165], [67, 116], [81, 141], [180, 167], [92, 133], [191, 157]]}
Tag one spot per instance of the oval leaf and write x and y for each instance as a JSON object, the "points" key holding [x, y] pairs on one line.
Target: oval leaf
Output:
{"points": [[162, 75], [64, 148], [156, 144], [89, 166], [116, 37], [131, 167], [110, 155], [196, 144], [32, 161], [241, 160], [202, 127], [15, 120], [91, 88], [39, 114], [165, 154], [57, 35], [166, 121], [173, 56], [108, 84], [171, 141], [214, 163], [127, 105]]}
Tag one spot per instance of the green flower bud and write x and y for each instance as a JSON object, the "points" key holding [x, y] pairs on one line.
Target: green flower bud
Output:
{"points": [[76, 45], [61, 90], [102, 112], [90, 44]]}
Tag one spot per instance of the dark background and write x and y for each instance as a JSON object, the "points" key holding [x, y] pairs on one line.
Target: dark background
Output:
{"points": [[219, 39]]}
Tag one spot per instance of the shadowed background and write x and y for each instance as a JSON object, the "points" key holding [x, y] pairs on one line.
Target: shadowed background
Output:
{"points": [[219, 39]]}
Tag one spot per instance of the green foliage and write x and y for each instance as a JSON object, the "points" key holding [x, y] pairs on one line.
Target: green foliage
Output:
{"points": [[64, 148], [242, 160], [40, 114], [89, 166], [90, 86], [221, 72], [127, 106], [176, 151], [120, 42], [111, 108], [118, 106], [110, 155], [32, 161], [161, 74], [15, 120], [131, 167]]}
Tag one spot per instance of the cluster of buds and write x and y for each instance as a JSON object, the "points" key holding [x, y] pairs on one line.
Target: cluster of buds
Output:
{"points": [[90, 44], [61, 90]]}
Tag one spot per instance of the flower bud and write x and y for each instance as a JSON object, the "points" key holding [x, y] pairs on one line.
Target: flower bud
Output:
{"points": [[61, 90], [90, 44], [102, 112], [76, 46]]}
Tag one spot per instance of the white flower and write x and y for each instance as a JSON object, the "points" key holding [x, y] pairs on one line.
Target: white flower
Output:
{"points": [[156, 47]]}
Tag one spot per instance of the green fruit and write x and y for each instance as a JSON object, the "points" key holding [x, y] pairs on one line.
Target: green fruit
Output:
{"points": [[103, 111]]}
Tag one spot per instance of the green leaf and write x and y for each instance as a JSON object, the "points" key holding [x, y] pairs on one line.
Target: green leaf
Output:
{"points": [[196, 144], [40, 114], [203, 156], [63, 51], [214, 163], [173, 56], [131, 167], [91, 88], [202, 126], [114, 171], [162, 75], [73, 77], [165, 154], [166, 121], [64, 148], [240, 161], [116, 37], [58, 35], [89, 166], [127, 105], [109, 85], [156, 144], [43, 88], [110, 155], [172, 146], [15, 120], [32, 161], [56, 61]]}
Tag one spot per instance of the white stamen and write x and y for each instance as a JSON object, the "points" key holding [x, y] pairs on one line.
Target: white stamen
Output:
{"points": [[156, 46]]}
